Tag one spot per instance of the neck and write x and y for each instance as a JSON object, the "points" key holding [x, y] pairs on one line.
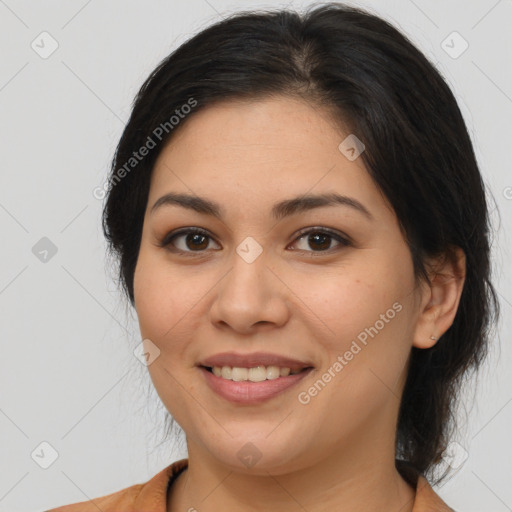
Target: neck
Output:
{"points": [[339, 482]]}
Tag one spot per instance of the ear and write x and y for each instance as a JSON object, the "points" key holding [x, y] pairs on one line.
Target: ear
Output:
{"points": [[440, 298]]}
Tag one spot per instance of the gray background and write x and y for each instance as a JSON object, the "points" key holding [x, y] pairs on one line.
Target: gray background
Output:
{"points": [[68, 375]]}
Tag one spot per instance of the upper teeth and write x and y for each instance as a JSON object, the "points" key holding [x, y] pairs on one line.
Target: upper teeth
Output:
{"points": [[257, 374]]}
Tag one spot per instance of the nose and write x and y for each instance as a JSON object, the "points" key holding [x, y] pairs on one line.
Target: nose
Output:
{"points": [[250, 297]]}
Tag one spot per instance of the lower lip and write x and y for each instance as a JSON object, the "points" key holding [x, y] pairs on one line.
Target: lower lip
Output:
{"points": [[247, 392]]}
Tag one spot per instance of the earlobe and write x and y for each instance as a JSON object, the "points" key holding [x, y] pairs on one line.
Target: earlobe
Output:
{"points": [[441, 299]]}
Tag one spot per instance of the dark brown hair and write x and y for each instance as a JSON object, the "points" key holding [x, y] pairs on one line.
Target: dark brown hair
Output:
{"points": [[418, 153]]}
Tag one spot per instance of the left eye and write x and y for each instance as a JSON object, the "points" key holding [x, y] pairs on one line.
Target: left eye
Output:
{"points": [[321, 239], [195, 240]]}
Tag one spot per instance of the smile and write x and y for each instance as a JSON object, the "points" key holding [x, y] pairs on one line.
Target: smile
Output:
{"points": [[255, 374], [251, 385]]}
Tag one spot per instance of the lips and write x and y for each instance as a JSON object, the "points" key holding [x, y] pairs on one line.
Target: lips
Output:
{"points": [[246, 393], [234, 359]]}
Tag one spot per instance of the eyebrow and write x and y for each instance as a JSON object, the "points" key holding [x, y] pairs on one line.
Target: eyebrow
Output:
{"points": [[280, 210]]}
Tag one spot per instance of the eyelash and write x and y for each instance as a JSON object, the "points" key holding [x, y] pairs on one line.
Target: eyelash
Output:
{"points": [[169, 238]]}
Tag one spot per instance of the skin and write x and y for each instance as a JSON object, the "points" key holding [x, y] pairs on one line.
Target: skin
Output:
{"points": [[337, 451]]}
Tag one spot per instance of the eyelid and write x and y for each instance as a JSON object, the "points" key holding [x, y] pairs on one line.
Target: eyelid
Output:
{"points": [[342, 239]]}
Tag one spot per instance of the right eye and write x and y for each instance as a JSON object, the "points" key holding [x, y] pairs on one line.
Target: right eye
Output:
{"points": [[190, 240]]}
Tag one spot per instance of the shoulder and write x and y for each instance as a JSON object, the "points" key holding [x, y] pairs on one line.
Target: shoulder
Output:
{"points": [[152, 495], [124, 498]]}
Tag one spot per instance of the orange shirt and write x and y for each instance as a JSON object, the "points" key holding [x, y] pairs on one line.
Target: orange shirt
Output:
{"points": [[152, 496]]}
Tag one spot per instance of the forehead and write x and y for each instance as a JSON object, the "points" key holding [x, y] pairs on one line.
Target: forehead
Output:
{"points": [[275, 121], [279, 147]]}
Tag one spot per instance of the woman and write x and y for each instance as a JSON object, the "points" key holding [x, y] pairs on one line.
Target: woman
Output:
{"points": [[302, 229]]}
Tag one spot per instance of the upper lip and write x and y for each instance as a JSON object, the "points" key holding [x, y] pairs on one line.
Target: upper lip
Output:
{"points": [[234, 359]]}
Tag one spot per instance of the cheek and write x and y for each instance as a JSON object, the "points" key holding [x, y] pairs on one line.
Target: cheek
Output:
{"points": [[160, 299], [366, 318], [364, 369], [343, 302], [162, 307]]}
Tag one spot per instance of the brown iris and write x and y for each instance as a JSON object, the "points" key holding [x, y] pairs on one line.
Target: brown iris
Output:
{"points": [[320, 237], [195, 240]]}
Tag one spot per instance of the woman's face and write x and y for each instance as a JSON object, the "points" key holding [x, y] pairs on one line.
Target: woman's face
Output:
{"points": [[341, 299]]}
